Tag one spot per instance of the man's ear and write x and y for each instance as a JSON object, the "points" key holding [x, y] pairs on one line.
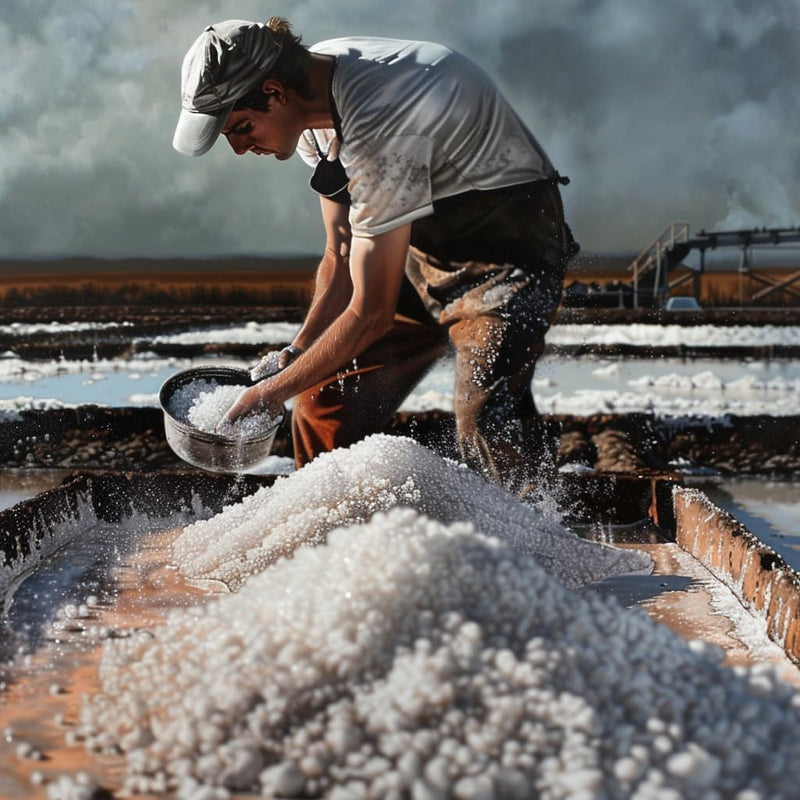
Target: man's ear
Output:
{"points": [[275, 89]]}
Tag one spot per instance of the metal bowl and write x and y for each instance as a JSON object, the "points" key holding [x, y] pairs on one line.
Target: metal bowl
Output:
{"points": [[211, 451]]}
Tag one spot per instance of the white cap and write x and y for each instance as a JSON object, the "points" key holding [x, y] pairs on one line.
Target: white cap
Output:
{"points": [[225, 62]]}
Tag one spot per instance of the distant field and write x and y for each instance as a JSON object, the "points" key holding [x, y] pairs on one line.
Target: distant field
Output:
{"points": [[151, 282], [288, 282]]}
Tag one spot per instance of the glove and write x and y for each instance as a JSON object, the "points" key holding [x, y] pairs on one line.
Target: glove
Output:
{"points": [[273, 362]]}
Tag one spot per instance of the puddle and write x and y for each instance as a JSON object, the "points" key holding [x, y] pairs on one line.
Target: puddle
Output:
{"points": [[768, 508], [108, 584], [562, 384], [19, 485]]}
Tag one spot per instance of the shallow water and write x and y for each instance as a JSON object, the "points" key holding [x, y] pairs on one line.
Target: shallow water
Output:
{"points": [[19, 485], [120, 384], [768, 508], [561, 384], [111, 583]]}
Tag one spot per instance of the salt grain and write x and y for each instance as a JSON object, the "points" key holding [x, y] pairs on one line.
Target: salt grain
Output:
{"points": [[203, 404]]}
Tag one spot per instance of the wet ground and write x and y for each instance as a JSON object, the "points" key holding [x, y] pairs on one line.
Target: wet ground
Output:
{"points": [[113, 579], [59, 658]]}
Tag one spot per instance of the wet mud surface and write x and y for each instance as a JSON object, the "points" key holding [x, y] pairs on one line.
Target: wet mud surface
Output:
{"points": [[126, 330], [95, 437]]}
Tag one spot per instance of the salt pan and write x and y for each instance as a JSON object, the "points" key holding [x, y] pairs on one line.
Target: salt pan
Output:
{"points": [[409, 658]]}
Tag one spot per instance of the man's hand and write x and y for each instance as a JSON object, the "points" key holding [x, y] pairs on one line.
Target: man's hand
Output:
{"points": [[256, 399], [376, 268], [274, 361]]}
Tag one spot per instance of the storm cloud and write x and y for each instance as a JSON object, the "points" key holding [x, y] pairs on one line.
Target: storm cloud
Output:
{"points": [[657, 111]]}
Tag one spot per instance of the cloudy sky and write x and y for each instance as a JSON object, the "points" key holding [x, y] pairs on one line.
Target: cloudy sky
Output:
{"points": [[658, 111]]}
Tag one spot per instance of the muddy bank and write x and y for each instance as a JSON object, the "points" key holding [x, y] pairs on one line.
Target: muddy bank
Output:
{"points": [[96, 437], [120, 331]]}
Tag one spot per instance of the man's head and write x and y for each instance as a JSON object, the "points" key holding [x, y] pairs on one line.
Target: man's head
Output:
{"points": [[247, 66]]}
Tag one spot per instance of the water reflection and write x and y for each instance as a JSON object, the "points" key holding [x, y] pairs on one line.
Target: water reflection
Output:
{"points": [[768, 508]]}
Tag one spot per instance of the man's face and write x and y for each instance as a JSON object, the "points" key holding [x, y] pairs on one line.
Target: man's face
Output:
{"points": [[273, 132]]}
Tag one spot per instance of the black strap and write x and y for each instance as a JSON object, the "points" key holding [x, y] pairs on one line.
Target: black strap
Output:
{"points": [[329, 179], [316, 144]]}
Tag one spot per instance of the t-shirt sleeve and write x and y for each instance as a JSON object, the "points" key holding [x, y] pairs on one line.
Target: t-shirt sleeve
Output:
{"points": [[307, 151], [390, 184], [307, 148]]}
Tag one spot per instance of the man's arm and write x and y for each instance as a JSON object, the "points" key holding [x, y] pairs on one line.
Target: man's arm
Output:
{"points": [[377, 266], [332, 285]]}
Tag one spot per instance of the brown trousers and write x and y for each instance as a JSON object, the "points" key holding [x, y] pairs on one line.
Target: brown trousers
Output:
{"points": [[487, 271]]}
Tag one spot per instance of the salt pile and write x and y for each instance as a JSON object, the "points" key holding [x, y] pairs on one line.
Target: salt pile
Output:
{"points": [[412, 659], [350, 485]]}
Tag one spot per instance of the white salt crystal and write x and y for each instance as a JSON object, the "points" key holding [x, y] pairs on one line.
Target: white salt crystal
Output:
{"points": [[203, 403], [283, 780], [694, 764], [183, 398], [209, 407], [268, 365]]}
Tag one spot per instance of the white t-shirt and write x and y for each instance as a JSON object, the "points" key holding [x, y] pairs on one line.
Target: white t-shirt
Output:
{"points": [[419, 122]]}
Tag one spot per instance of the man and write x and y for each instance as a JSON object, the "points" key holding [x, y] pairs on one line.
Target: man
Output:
{"points": [[427, 179]]}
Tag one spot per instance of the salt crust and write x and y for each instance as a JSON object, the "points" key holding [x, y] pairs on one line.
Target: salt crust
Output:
{"points": [[563, 334], [27, 329], [58, 533], [16, 369], [350, 485], [412, 659], [83, 525], [262, 333], [670, 335]]}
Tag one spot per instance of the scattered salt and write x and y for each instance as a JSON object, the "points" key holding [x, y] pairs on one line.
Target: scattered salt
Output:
{"points": [[82, 787]]}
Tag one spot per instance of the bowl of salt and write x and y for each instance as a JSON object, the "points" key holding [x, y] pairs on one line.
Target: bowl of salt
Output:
{"points": [[194, 401]]}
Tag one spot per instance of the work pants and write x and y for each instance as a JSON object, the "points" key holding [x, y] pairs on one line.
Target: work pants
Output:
{"points": [[487, 271]]}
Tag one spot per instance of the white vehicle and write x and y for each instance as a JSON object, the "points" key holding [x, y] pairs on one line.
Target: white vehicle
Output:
{"points": [[681, 303]]}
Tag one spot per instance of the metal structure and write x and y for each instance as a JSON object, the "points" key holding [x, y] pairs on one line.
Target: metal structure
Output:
{"points": [[652, 268]]}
